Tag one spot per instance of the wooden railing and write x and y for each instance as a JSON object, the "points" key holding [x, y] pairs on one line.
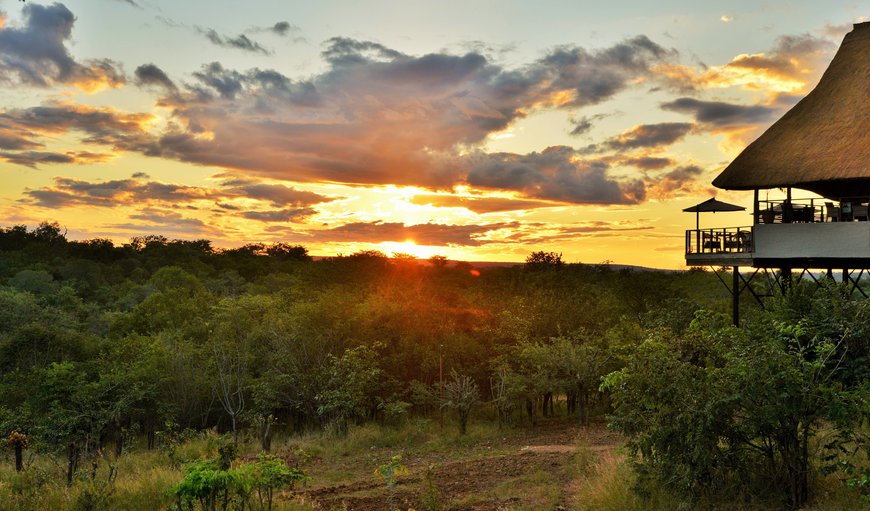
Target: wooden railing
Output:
{"points": [[723, 240]]}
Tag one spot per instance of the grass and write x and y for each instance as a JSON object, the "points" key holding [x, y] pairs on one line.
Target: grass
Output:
{"points": [[592, 478]]}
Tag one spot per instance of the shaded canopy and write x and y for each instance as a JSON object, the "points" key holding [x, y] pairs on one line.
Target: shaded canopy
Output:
{"points": [[713, 205], [823, 143]]}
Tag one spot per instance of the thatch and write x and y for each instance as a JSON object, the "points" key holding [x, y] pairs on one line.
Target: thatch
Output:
{"points": [[823, 143], [714, 205]]}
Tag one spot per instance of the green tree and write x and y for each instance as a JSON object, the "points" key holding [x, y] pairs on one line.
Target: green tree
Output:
{"points": [[461, 393]]}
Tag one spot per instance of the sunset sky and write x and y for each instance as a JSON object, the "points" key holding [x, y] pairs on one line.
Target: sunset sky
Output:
{"points": [[478, 130]]}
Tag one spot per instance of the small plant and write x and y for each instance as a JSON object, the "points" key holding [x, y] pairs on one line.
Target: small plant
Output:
{"points": [[270, 473], [214, 484], [390, 473], [430, 500]]}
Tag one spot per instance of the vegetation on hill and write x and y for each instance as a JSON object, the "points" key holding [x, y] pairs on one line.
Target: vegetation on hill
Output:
{"points": [[107, 352]]}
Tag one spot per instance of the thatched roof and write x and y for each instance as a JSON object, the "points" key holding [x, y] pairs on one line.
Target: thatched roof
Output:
{"points": [[714, 205], [823, 143]]}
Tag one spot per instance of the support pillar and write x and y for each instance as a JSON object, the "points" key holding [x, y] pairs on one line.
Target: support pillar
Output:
{"points": [[735, 296]]}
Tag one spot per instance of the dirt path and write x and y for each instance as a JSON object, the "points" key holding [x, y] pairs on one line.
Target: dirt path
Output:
{"points": [[532, 470]]}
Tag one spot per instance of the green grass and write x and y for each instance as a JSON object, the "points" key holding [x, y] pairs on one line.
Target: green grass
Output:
{"points": [[592, 479]]}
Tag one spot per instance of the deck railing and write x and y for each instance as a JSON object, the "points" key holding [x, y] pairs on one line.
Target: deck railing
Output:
{"points": [[794, 211], [723, 240]]}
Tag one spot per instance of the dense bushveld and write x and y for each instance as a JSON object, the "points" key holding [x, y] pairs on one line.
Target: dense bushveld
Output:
{"points": [[115, 353]]}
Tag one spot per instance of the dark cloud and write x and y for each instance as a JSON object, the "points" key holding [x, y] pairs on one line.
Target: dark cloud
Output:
{"points": [[149, 74], [35, 54], [166, 222], [133, 3], [14, 138], [241, 41], [34, 158], [647, 162], [421, 234], [98, 126], [279, 195], [649, 135], [554, 174], [283, 27], [679, 181], [280, 215], [480, 205], [718, 114], [593, 77], [346, 51], [580, 126], [137, 190], [378, 116], [536, 235]]}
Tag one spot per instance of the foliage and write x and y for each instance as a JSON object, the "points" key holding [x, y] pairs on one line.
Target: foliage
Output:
{"points": [[460, 394], [214, 483], [390, 473], [719, 411]]}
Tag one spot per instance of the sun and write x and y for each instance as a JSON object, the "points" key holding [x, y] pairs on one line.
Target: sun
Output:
{"points": [[409, 247]]}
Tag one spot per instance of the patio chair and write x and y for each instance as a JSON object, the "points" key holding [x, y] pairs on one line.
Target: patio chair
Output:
{"points": [[832, 213]]}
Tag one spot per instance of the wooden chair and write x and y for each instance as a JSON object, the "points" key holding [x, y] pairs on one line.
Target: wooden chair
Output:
{"points": [[832, 213]]}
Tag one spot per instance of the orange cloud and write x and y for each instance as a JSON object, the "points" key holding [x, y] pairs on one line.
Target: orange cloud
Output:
{"points": [[792, 66]]}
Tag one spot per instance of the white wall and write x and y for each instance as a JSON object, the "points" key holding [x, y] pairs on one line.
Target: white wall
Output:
{"points": [[832, 239]]}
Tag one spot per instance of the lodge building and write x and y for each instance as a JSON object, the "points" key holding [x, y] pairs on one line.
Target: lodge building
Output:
{"points": [[818, 153]]}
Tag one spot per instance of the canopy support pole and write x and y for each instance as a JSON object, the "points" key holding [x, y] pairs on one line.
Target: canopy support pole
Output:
{"points": [[735, 296]]}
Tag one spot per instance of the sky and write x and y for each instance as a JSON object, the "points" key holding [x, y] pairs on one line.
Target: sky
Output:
{"points": [[477, 130]]}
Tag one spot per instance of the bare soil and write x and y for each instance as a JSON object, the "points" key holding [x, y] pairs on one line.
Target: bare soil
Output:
{"points": [[480, 478]]}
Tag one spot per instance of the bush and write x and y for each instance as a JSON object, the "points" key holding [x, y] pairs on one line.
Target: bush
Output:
{"points": [[724, 412]]}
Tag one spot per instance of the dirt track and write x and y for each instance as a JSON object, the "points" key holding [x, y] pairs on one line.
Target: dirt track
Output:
{"points": [[487, 479]]}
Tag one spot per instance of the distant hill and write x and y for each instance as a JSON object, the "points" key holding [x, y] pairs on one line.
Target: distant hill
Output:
{"points": [[508, 264]]}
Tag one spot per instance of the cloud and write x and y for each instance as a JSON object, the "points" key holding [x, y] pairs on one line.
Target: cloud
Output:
{"points": [[280, 215], [718, 114], [33, 158], [25, 129], [133, 3], [281, 28], [479, 204], [375, 116], [379, 116], [420, 234], [554, 174], [649, 135], [149, 74], [35, 54], [535, 234], [679, 181], [646, 162], [240, 42], [792, 65], [584, 124], [138, 190]]}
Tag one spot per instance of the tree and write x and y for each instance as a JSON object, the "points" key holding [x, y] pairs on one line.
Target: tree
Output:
{"points": [[350, 388], [719, 409], [460, 393], [537, 261]]}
